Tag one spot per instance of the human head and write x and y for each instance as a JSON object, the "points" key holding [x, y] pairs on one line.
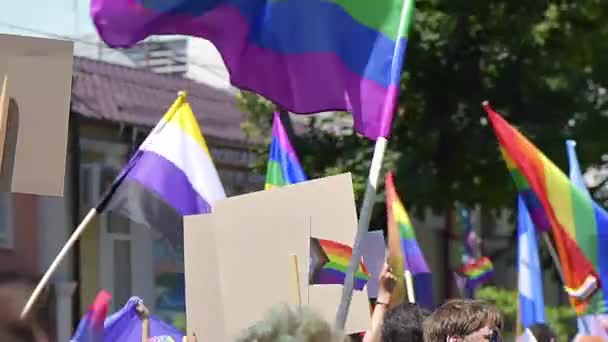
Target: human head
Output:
{"points": [[463, 320], [291, 324], [404, 323], [590, 339], [542, 333]]}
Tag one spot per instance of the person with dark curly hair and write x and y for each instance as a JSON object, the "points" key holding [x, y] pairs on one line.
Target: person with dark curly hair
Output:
{"points": [[404, 323]]}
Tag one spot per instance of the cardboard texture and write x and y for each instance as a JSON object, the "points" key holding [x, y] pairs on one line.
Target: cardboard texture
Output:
{"points": [[204, 308], [238, 259], [39, 78]]}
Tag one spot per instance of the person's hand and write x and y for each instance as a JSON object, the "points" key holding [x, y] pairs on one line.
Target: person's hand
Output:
{"points": [[386, 283], [142, 311]]}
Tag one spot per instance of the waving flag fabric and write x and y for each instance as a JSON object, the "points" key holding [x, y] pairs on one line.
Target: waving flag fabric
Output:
{"points": [[556, 204], [283, 164], [90, 328], [404, 253], [126, 326], [477, 272], [530, 283], [475, 269], [307, 56], [593, 323], [171, 175]]}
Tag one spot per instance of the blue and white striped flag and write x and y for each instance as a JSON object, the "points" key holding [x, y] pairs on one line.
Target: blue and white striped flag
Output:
{"points": [[531, 302]]}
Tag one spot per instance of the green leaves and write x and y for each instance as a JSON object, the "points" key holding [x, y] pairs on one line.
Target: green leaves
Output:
{"points": [[561, 319], [542, 64]]}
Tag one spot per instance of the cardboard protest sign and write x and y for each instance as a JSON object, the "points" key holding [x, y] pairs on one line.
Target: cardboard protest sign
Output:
{"points": [[36, 79], [238, 258]]}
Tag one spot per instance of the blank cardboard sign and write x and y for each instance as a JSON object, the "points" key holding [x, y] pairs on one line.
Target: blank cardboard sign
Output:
{"points": [[238, 258], [38, 74]]}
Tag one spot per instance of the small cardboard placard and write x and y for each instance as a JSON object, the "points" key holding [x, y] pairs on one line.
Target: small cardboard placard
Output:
{"points": [[238, 258], [36, 80]]}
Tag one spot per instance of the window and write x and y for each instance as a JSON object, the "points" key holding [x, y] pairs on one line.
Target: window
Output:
{"points": [[6, 221]]}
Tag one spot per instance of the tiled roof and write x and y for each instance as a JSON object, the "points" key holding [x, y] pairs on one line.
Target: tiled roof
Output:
{"points": [[122, 94]]}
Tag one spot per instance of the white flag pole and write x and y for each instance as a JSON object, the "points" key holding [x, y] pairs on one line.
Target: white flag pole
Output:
{"points": [[364, 219]]}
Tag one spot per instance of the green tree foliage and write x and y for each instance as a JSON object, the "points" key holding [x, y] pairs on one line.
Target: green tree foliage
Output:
{"points": [[541, 63], [560, 319]]}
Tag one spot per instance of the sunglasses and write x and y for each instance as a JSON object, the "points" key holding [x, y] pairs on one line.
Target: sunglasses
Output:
{"points": [[495, 337]]}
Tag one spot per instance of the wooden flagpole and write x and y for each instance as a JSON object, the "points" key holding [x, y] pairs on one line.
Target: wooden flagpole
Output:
{"points": [[294, 279], [4, 108], [58, 259], [80, 229]]}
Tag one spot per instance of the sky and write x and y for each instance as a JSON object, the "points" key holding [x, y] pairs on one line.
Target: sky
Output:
{"points": [[37, 17]]}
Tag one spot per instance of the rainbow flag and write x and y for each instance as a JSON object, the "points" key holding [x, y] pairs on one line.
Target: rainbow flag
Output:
{"points": [[557, 205], [477, 272], [286, 50], [403, 250], [171, 175], [283, 164], [91, 326], [474, 270], [333, 262]]}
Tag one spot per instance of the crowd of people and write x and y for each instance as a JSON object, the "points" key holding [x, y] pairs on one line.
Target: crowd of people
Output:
{"points": [[457, 320]]}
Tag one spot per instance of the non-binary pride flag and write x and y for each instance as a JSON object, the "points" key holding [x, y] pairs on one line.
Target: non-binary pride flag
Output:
{"points": [[403, 250], [307, 56], [283, 164], [90, 328], [171, 175], [557, 205]]}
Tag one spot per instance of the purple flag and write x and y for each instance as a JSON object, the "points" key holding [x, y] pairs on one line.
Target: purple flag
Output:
{"points": [[307, 56], [125, 326]]}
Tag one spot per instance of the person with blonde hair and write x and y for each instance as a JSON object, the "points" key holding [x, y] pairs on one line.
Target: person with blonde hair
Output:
{"points": [[287, 324]]}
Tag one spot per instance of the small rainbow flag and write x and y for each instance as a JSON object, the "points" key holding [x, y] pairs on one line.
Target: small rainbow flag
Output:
{"points": [[333, 262], [283, 164], [91, 326], [557, 205], [403, 250], [285, 50], [477, 272]]}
